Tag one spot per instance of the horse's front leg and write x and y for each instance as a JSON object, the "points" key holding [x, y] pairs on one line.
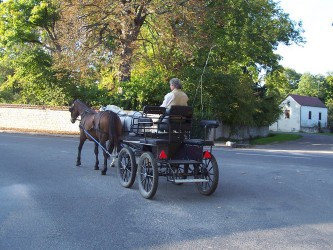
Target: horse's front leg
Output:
{"points": [[78, 159], [96, 155]]}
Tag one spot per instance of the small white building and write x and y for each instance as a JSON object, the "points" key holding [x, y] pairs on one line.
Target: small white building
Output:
{"points": [[301, 113]]}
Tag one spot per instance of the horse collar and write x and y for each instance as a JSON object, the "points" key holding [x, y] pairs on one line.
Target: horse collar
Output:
{"points": [[84, 112]]}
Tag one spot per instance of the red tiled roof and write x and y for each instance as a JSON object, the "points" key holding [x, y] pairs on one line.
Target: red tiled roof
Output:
{"points": [[308, 101]]}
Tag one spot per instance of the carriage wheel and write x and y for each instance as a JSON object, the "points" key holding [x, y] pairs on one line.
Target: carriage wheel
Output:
{"points": [[147, 175], [208, 170], [126, 167]]}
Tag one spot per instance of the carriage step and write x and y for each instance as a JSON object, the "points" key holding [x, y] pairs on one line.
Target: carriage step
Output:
{"points": [[190, 180], [183, 162]]}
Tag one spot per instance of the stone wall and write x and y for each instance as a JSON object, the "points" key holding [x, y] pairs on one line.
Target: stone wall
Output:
{"points": [[43, 119], [239, 132], [26, 118]]}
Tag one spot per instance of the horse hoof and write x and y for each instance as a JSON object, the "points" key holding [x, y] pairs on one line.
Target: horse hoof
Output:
{"points": [[113, 163], [103, 172], [78, 164], [96, 168]]}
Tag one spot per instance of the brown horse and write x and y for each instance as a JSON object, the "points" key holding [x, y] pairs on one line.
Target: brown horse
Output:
{"points": [[102, 126]]}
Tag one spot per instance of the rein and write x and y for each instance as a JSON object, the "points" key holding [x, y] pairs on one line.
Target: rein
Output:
{"points": [[96, 128], [104, 149], [82, 122], [83, 113]]}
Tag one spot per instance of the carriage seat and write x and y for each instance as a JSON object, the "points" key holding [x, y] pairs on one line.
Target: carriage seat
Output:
{"points": [[209, 123], [177, 118], [199, 142], [154, 110], [154, 141], [138, 123], [145, 122], [205, 124]]}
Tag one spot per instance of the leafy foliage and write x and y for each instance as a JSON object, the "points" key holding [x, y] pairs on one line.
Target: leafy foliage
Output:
{"points": [[311, 85], [124, 53], [32, 81], [282, 82]]}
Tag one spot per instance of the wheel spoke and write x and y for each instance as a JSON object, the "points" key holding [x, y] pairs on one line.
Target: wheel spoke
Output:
{"points": [[148, 175], [208, 171], [126, 167]]}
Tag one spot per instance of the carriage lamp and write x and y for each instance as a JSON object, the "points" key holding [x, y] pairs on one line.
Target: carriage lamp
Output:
{"points": [[163, 155], [207, 155]]}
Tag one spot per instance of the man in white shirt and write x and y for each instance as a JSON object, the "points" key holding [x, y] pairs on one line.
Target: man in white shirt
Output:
{"points": [[176, 96]]}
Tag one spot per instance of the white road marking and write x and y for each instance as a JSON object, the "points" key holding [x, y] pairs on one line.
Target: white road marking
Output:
{"points": [[281, 156]]}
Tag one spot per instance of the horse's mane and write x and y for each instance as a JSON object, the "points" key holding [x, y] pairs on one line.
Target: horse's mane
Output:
{"points": [[82, 103]]}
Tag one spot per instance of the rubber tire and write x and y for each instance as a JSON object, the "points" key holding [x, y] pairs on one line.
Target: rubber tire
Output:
{"points": [[126, 167], [209, 171], [147, 175]]}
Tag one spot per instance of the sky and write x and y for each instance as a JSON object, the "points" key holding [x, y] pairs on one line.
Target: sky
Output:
{"points": [[316, 55]]}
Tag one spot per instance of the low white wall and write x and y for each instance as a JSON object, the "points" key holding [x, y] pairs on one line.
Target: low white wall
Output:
{"points": [[240, 132], [27, 118]]}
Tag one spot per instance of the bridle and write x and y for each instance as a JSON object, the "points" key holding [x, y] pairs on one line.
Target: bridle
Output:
{"points": [[82, 114]]}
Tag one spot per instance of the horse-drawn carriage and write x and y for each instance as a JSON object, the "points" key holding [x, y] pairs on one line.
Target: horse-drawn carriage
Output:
{"points": [[159, 143]]}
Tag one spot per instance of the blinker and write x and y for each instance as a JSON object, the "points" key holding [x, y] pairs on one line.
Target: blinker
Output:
{"points": [[207, 155], [163, 155]]}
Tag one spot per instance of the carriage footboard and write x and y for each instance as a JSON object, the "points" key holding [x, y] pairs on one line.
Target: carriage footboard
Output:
{"points": [[176, 173]]}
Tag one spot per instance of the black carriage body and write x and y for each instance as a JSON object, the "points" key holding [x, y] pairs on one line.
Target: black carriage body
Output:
{"points": [[163, 147], [163, 150]]}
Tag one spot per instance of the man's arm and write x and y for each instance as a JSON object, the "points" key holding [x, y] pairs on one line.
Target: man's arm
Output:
{"points": [[167, 99]]}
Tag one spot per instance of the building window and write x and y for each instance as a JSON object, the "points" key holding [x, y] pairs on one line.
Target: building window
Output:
{"points": [[287, 114], [310, 114], [319, 116]]}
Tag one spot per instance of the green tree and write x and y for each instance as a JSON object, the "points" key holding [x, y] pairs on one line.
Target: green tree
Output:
{"points": [[30, 78], [29, 21], [218, 48], [110, 30], [282, 82], [329, 86], [329, 99], [28, 41], [312, 85], [242, 37], [293, 78]]}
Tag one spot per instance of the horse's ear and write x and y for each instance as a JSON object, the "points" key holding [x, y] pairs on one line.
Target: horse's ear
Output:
{"points": [[71, 107], [70, 103]]}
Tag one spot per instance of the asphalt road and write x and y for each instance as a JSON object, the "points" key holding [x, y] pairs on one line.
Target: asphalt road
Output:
{"points": [[271, 197]]}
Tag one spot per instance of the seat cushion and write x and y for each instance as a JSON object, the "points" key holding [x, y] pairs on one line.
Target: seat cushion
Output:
{"points": [[199, 142], [154, 141]]}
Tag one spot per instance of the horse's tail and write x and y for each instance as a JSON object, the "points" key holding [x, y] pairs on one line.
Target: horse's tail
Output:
{"points": [[114, 130]]}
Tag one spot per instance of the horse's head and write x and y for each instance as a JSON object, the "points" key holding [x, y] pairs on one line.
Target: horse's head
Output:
{"points": [[74, 111]]}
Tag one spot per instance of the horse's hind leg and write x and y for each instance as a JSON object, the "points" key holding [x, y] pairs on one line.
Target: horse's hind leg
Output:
{"points": [[106, 156], [111, 150], [96, 155]]}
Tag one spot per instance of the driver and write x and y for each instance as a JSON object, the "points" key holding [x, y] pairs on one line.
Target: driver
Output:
{"points": [[176, 96]]}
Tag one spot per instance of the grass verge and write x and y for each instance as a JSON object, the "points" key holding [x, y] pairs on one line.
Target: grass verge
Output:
{"points": [[275, 138]]}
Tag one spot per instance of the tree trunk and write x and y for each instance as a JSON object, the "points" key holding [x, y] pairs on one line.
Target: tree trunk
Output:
{"points": [[125, 61], [129, 36]]}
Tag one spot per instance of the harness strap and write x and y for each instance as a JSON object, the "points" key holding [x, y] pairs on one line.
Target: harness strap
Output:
{"points": [[84, 112], [87, 133], [98, 125]]}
